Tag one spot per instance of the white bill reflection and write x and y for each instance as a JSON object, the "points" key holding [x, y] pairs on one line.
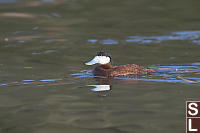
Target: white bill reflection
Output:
{"points": [[100, 87]]}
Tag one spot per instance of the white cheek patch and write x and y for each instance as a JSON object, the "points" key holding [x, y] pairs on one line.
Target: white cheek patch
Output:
{"points": [[103, 59], [99, 59]]}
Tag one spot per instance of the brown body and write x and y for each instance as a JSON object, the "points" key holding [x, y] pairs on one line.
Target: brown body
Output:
{"points": [[111, 71]]}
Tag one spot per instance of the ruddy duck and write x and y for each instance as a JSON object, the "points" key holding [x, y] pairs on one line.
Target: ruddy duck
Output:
{"points": [[105, 68]]}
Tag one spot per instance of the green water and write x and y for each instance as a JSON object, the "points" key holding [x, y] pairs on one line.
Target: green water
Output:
{"points": [[44, 82]]}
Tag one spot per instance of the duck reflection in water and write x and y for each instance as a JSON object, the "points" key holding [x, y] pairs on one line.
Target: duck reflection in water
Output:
{"points": [[105, 84]]}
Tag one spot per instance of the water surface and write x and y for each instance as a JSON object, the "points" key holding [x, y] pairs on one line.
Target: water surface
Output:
{"points": [[45, 86]]}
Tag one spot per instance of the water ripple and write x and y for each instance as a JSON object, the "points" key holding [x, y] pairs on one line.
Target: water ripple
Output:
{"points": [[50, 80], [192, 36]]}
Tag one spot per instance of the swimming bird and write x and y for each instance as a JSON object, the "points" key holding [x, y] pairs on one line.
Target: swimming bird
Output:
{"points": [[105, 68]]}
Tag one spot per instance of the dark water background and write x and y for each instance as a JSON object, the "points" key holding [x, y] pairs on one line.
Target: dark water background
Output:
{"points": [[46, 88]]}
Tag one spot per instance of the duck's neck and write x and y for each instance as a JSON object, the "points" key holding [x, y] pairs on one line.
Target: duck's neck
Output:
{"points": [[106, 66]]}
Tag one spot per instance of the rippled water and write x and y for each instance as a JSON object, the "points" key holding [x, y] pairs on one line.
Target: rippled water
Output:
{"points": [[45, 86], [192, 36]]}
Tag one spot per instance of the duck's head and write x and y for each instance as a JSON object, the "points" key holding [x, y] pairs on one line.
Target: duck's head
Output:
{"points": [[102, 58]]}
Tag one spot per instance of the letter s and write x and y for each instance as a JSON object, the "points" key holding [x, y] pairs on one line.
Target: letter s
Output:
{"points": [[193, 108]]}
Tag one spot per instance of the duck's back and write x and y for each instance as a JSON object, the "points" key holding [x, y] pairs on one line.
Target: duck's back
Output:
{"points": [[123, 70]]}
